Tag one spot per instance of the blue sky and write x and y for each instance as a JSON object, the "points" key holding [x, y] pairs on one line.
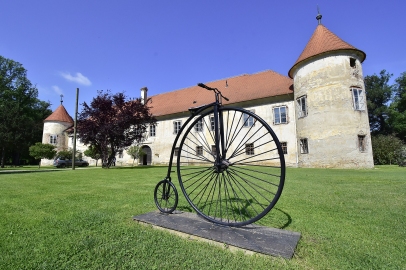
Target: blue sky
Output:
{"points": [[168, 45]]}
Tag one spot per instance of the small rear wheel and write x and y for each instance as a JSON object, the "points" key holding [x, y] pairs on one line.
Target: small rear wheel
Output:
{"points": [[166, 196]]}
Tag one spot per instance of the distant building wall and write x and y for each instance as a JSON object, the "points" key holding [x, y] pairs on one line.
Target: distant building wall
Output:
{"points": [[161, 143]]}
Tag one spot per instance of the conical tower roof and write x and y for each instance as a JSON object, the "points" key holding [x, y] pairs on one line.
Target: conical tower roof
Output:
{"points": [[323, 41], [61, 115]]}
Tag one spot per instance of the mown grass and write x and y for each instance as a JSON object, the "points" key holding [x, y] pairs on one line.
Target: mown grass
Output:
{"points": [[82, 219]]}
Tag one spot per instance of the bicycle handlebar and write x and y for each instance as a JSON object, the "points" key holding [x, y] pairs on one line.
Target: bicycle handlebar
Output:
{"points": [[211, 89], [205, 86]]}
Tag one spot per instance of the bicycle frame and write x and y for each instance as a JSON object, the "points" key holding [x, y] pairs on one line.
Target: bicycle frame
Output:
{"points": [[218, 128]]}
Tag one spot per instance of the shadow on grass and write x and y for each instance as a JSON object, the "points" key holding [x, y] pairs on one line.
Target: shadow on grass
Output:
{"points": [[29, 171], [276, 218], [287, 216]]}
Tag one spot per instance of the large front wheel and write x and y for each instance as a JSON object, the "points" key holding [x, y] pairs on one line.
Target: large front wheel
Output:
{"points": [[247, 182]]}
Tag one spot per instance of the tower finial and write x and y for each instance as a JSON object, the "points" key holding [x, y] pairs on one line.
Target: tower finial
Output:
{"points": [[318, 17], [61, 98]]}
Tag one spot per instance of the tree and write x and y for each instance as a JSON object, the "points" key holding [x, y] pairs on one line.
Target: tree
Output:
{"points": [[21, 112], [397, 117], [136, 152], [379, 94], [40, 150], [92, 152], [113, 122], [66, 153], [387, 149]]}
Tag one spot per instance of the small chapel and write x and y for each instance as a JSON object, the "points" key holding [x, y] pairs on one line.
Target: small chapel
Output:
{"points": [[318, 111]]}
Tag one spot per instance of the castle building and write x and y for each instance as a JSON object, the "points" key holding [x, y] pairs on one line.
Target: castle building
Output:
{"points": [[319, 112]]}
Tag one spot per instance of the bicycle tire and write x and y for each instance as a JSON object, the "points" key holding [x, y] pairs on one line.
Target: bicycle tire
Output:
{"points": [[251, 177], [166, 196]]}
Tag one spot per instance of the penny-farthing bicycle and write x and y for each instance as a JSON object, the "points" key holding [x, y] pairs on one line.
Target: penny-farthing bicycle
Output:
{"points": [[230, 165]]}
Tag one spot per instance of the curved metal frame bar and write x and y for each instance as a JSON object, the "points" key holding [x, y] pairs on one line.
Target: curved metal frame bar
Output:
{"points": [[201, 109]]}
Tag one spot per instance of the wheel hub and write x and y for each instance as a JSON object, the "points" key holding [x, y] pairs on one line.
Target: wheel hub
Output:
{"points": [[224, 164]]}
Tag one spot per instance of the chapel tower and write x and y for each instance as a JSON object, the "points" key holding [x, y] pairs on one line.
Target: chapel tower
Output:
{"points": [[55, 127], [331, 109]]}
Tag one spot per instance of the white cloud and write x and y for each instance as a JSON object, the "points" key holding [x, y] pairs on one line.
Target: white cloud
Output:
{"points": [[57, 90], [78, 78]]}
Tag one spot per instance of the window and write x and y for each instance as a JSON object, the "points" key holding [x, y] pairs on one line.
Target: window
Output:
{"points": [[353, 62], [152, 132], [212, 123], [280, 115], [199, 150], [284, 147], [302, 106], [358, 97], [199, 125], [176, 126], [53, 139], [248, 120], [304, 148], [120, 154], [213, 150], [249, 149], [361, 143], [138, 131], [176, 152]]}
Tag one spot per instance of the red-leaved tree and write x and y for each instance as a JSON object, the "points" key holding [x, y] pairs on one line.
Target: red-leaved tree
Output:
{"points": [[112, 123]]}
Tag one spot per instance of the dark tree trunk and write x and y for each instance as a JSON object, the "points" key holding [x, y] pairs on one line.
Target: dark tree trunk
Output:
{"points": [[16, 159], [3, 154]]}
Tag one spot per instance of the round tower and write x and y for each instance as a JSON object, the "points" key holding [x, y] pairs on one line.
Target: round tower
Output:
{"points": [[54, 131], [331, 109]]}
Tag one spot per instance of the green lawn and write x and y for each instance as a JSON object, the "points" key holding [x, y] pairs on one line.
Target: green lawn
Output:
{"points": [[82, 219]]}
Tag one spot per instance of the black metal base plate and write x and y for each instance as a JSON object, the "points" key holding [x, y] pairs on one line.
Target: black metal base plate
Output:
{"points": [[260, 239]]}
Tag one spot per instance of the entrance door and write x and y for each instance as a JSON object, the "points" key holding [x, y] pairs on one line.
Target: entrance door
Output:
{"points": [[147, 158]]}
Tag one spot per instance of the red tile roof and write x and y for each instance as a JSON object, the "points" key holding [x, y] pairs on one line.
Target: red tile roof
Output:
{"points": [[60, 114], [240, 88], [322, 41]]}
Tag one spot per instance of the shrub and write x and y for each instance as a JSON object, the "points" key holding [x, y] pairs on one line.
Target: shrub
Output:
{"points": [[388, 149]]}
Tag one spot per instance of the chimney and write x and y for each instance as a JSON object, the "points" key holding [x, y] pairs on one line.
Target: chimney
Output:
{"points": [[144, 91]]}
